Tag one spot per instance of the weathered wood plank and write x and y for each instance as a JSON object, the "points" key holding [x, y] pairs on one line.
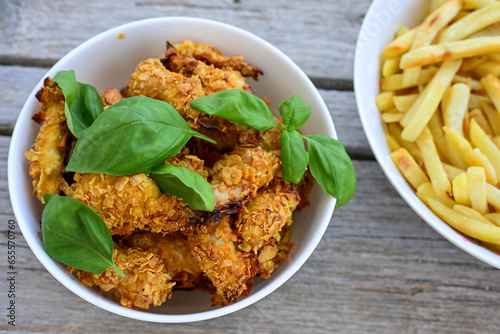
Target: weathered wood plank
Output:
{"points": [[20, 81], [378, 269], [318, 35]]}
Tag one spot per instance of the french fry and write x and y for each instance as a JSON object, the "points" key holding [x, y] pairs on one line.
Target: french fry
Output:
{"points": [[436, 126], [426, 189], [395, 81], [436, 21], [404, 102], [475, 4], [460, 148], [421, 111], [401, 31], [492, 85], [481, 120], [472, 214], [391, 116], [395, 130], [400, 45], [487, 67], [491, 114], [449, 51], [477, 158], [433, 164], [481, 140], [461, 189], [493, 217], [409, 168], [475, 21], [390, 66], [392, 142], [451, 171], [472, 83], [435, 4], [467, 226], [493, 196], [476, 181], [496, 141], [454, 106], [384, 101]]}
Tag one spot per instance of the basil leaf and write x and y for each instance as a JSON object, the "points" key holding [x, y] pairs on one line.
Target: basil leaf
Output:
{"points": [[82, 102], [74, 234], [185, 184], [294, 113], [294, 156], [332, 168], [132, 136], [237, 106]]}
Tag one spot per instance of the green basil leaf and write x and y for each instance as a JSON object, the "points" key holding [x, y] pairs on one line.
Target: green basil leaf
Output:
{"points": [[82, 102], [74, 234], [135, 135], [332, 168], [185, 184], [294, 113], [294, 157], [237, 106]]}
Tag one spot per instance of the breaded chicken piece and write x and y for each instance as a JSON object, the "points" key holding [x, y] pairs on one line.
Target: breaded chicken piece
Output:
{"points": [[265, 215], [175, 252], [146, 282], [191, 162], [215, 249], [152, 79], [130, 202], [111, 96], [274, 252], [212, 56], [46, 156], [238, 175]]}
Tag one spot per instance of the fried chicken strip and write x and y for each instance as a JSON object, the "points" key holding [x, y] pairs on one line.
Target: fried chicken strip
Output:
{"points": [[152, 79], [241, 173], [229, 269], [209, 54], [146, 282], [130, 202], [175, 252], [275, 251], [46, 156], [265, 215]]}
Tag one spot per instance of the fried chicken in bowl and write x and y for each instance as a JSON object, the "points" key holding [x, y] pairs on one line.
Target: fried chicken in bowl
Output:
{"points": [[107, 61]]}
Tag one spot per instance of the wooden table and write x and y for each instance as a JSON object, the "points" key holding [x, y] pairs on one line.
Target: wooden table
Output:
{"points": [[378, 269]]}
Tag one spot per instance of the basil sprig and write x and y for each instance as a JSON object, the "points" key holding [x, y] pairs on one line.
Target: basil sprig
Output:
{"points": [[330, 165], [76, 235], [82, 102], [132, 136], [185, 184]]}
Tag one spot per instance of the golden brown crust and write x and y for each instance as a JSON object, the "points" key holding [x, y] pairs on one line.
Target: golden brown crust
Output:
{"points": [[46, 156], [130, 202], [146, 282]]}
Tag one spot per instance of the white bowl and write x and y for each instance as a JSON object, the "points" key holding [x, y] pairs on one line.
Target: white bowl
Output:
{"points": [[107, 61], [379, 26]]}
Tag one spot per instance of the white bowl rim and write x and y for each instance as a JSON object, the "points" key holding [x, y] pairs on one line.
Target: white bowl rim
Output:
{"points": [[62, 276], [372, 132]]}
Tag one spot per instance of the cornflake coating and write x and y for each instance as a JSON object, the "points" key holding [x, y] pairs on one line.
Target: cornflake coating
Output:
{"points": [[266, 214], [190, 162], [175, 252], [228, 268], [46, 156], [146, 282], [209, 54], [239, 174], [275, 251], [130, 202]]}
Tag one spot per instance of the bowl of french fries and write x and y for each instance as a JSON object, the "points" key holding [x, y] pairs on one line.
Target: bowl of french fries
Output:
{"points": [[428, 92]]}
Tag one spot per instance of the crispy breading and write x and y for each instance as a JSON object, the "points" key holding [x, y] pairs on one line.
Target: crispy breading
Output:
{"points": [[130, 202], [175, 252], [238, 175], [152, 79], [229, 269], [209, 54], [191, 162], [46, 156], [146, 282], [111, 96], [274, 252], [266, 214]]}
